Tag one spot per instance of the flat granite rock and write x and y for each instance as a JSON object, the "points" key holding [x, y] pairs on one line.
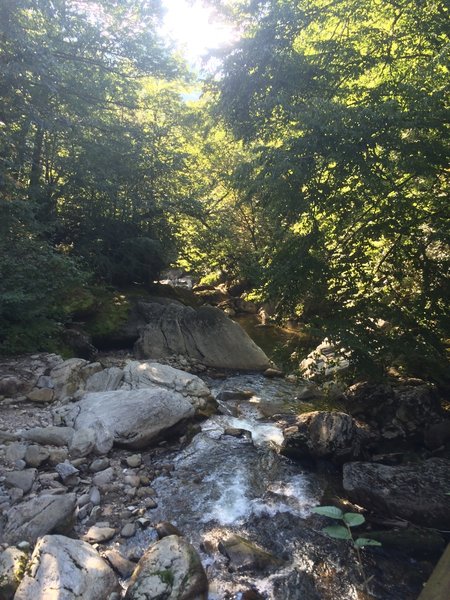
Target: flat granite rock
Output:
{"points": [[39, 516], [66, 569]]}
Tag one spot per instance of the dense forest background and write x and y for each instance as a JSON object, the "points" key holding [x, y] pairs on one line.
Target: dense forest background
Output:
{"points": [[314, 166]]}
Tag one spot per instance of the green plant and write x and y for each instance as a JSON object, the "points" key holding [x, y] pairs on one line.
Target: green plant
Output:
{"points": [[344, 532]]}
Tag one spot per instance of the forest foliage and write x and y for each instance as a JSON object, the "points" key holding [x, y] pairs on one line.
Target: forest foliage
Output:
{"points": [[314, 166]]}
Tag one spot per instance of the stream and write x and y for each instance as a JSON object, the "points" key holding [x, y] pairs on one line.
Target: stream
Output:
{"points": [[230, 480]]}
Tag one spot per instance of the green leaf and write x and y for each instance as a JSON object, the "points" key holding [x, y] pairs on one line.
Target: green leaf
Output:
{"points": [[329, 511], [361, 542], [353, 519], [338, 531]]}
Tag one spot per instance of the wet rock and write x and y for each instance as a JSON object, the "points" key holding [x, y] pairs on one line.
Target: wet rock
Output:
{"points": [[66, 569], [414, 492], [105, 381], [39, 516], [12, 566], [36, 455], [244, 555], [169, 569], [323, 434], [21, 479], [226, 395], [54, 436], [205, 334], [271, 373], [137, 417], [165, 528], [97, 535]]}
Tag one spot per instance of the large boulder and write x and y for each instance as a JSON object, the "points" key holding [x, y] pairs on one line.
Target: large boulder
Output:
{"points": [[323, 434], [134, 417], [141, 374], [417, 492], [39, 516], [66, 569], [170, 569], [404, 410], [205, 334]]}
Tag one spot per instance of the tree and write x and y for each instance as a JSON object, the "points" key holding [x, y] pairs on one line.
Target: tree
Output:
{"points": [[344, 106]]}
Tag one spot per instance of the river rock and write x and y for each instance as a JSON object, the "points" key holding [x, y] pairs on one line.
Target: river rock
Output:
{"points": [[70, 376], [14, 452], [39, 516], [136, 417], [395, 411], [68, 570], [41, 395], [12, 565], [134, 460], [323, 434], [66, 471], [141, 374], [97, 535], [54, 436], [36, 455], [21, 479], [104, 381], [416, 492], [245, 555], [170, 569], [205, 334], [93, 438]]}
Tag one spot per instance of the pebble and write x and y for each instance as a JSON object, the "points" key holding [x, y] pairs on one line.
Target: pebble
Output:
{"points": [[150, 503], [123, 566], [99, 464], [102, 477], [94, 496], [97, 534], [132, 480], [23, 545], [128, 530], [134, 460], [36, 455]]}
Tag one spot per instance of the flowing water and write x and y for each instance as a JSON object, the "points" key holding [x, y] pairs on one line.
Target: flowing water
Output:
{"points": [[231, 480]]}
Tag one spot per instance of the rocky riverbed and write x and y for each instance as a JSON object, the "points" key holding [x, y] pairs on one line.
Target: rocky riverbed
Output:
{"points": [[136, 479]]}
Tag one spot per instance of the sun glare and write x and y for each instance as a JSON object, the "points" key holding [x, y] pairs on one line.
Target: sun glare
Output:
{"points": [[195, 29]]}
